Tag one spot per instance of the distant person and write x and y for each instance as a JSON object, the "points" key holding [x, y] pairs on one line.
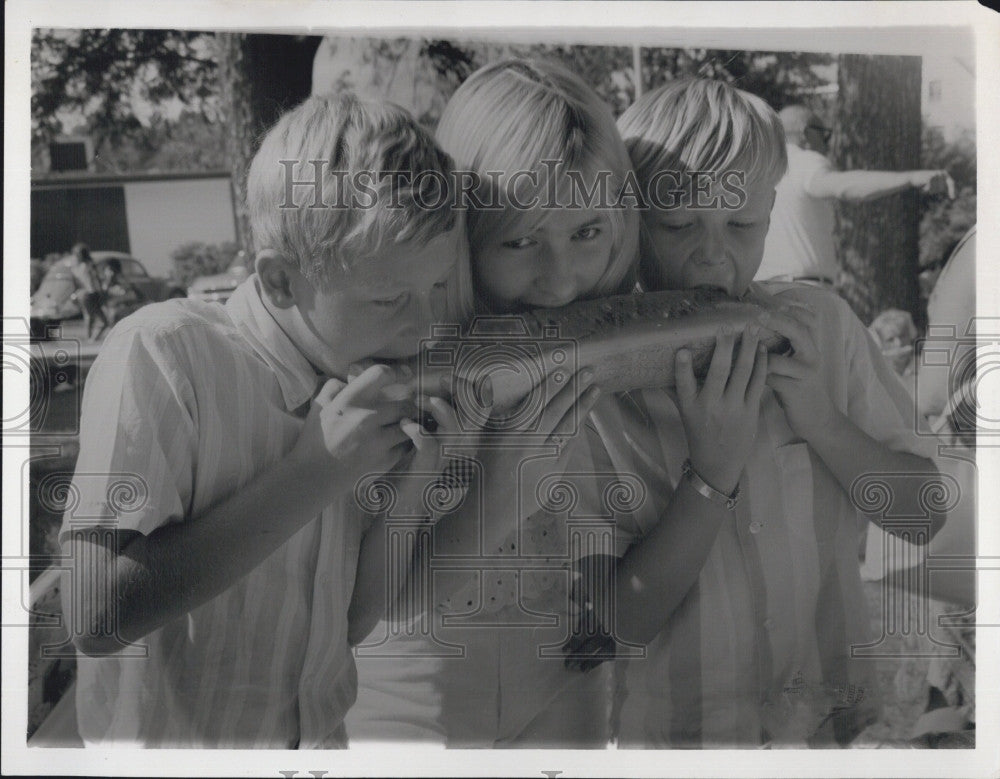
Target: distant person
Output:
{"points": [[89, 294], [895, 333], [121, 296], [799, 245]]}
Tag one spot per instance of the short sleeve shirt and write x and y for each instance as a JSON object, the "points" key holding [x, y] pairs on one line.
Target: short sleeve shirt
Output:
{"points": [[800, 239], [187, 403], [760, 648]]}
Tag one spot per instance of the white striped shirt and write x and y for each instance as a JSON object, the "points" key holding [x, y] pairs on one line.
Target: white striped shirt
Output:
{"points": [[760, 648], [197, 399]]}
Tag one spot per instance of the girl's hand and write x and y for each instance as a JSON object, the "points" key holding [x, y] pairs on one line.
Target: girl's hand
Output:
{"points": [[796, 379], [720, 419]]}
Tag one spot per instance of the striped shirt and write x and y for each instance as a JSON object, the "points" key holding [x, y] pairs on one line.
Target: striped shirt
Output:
{"points": [[196, 399], [760, 649]]}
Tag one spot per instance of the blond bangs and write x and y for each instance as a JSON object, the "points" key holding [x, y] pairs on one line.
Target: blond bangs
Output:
{"points": [[704, 125], [510, 118]]}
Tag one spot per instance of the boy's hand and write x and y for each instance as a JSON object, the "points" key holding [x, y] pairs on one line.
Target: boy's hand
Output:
{"points": [[427, 466], [353, 430], [720, 420], [796, 379]]}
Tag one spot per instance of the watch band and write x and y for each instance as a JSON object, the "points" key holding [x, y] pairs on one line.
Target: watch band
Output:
{"points": [[707, 490]]}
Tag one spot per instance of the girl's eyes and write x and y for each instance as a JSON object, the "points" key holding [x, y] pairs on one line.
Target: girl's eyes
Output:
{"points": [[743, 225], [392, 302], [525, 242]]}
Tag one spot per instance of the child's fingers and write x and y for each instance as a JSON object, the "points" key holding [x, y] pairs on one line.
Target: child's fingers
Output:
{"points": [[781, 365], [687, 387], [367, 386], [794, 329], [389, 436], [443, 414], [781, 385], [330, 389], [415, 433], [355, 369], [574, 415], [745, 360], [391, 412], [758, 379], [722, 358]]}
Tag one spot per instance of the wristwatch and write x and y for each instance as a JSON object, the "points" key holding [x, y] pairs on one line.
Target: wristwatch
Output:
{"points": [[707, 490]]}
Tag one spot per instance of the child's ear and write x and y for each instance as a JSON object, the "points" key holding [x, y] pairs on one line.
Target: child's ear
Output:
{"points": [[275, 275]]}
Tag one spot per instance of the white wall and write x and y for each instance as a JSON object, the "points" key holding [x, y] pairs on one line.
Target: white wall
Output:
{"points": [[953, 109], [162, 215]]}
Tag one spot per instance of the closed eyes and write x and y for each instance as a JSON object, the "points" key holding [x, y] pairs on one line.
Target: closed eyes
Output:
{"points": [[392, 302]]}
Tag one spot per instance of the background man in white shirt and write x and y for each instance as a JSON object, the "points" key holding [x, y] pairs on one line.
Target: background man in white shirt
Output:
{"points": [[799, 244]]}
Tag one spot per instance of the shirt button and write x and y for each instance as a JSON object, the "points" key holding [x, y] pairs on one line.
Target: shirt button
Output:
{"points": [[755, 527], [768, 623]]}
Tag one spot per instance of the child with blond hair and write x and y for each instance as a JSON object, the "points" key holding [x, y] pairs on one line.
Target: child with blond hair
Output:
{"points": [[214, 537], [746, 593], [488, 672]]}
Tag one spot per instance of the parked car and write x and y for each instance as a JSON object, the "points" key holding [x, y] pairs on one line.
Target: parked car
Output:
{"points": [[55, 301], [218, 287]]}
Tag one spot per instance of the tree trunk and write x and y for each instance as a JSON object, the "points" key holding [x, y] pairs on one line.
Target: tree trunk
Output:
{"points": [[878, 128], [262, 76]]}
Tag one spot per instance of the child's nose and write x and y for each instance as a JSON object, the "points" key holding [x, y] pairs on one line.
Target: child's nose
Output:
{"points": [[559, 279], [712, 249]]}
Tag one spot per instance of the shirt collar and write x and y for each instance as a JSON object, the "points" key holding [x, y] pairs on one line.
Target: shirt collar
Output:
{"points": [[296, 376]]}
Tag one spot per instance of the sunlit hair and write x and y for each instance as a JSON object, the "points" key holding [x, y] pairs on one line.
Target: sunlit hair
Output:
{"points": [[704, 125], [511, 116], [346, 136]]}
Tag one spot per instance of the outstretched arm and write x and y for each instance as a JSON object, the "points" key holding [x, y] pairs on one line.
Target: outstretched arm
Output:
{"points": [[861, 185]]}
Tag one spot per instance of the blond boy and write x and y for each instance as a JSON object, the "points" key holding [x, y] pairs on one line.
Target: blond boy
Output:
{"points": [[211, 604], [746, 592]]}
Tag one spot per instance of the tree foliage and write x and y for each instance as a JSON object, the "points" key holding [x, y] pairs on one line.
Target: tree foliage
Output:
{"points": [[946, 221], [435, 68], [779, 78], [196, 258], [104, 76], [878, 127]]}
